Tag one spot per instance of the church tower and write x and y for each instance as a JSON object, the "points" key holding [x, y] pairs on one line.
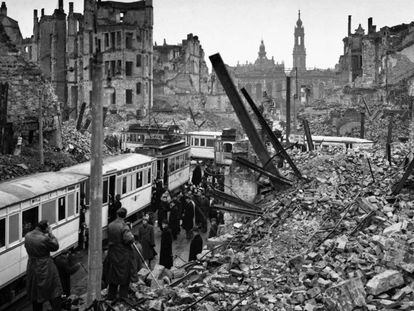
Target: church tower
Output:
{"points": [[299, 51]]}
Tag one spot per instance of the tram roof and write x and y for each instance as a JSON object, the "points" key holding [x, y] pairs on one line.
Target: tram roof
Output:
{"points": [[205, 133], [341, 139], [24, 188], [111, 164]]}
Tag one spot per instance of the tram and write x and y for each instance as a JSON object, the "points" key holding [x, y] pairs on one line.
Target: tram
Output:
{"points": [[167, 146], [328, 142], [202, 144], [56, 196]]}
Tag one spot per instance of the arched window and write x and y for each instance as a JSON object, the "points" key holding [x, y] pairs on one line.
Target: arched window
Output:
{"points": [[299, 40]]}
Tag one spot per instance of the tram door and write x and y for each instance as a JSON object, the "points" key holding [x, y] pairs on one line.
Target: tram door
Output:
{"points": [[166, 172], [112, 180]]}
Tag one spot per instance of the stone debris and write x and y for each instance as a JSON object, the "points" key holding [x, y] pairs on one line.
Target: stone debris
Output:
{"points": [[336, 242]]}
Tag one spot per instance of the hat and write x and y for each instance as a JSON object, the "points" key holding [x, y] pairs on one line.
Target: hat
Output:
{"points": [[146, 217]]}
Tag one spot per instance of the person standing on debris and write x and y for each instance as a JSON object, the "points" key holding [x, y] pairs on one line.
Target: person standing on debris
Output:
{"points": [[197, 174], [213, 228], [118, 263], [166, 258], [145, 236], [205, 209], [174, 219], [188, 217], [196, 245], [42, 281]]}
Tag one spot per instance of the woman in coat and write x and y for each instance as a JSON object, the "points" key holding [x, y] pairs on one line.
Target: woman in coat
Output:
{"points": [[43, 281], [166, 258], [174, 220], [188, 217]]}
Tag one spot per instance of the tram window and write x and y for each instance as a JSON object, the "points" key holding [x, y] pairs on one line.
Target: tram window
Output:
{"points": [[77, 203], [202, 142], [105, 191], [209, 142], [124, 184], [2, 232], [196, 142], [13, 228], [182, 162], [61, 208], [228, 147], [139, 179], [30, 218], [71, 204], [171, 168], [49, 211], [149, 176]]}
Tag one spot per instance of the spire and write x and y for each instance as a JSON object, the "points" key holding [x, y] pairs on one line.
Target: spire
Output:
{"points": [[299, 22]]}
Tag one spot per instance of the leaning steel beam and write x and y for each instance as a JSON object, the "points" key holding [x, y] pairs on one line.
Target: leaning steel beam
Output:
{"points": [[238, 210], [397, 187], [241, 112], [231, 199], [274, 178], [308, 135], [273, 139]]}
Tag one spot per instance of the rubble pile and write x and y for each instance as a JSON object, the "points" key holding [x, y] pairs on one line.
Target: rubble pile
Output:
{"points": [[77, 143], [335, 241]]}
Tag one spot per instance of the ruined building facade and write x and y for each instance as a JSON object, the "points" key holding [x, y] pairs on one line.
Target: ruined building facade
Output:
{"points": [[63, 45], [181, 68]]}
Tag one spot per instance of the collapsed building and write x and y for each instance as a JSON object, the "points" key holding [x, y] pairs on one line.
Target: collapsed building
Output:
{"points": [[124, 36]]}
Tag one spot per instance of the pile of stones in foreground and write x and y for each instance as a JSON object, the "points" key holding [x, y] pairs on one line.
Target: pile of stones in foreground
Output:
{"points": [[337, 241]]}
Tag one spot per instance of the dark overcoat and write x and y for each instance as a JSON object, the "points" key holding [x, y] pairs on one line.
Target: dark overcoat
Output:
{"points": [[174, 221], [166, 258], [188, 215], [43, 281], [196, 247], [120, 262], [145, 236]]}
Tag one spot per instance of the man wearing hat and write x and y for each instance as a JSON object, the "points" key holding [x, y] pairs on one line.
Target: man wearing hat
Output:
{"points": [[120, 263], [145, 236], [42, 281]]}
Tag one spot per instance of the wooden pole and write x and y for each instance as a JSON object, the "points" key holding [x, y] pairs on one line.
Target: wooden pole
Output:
{"points": [[287, 108], [362, 130], [95, 219], [41, 97]]}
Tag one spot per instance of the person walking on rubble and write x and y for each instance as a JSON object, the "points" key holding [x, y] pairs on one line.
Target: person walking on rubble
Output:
{"points": [[196, 245], [42, 281], [213, 228], [188, 217], [145, 236], [120, 264], [166, 258]]}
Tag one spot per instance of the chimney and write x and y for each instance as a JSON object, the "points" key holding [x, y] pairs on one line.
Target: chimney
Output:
{"points": [[369, 25], [70, 7], [42, 13], [3, 9], [60, 5], [35, 14], [349, 24]]}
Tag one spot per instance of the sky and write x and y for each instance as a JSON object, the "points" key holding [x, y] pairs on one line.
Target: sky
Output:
{"points": [[234, 28]]}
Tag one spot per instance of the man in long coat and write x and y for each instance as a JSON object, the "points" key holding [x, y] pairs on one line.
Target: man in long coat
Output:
{"points": [[145, 236], [120, 261], [43, 281], [166, 258], [174, 219], [188, 217]]}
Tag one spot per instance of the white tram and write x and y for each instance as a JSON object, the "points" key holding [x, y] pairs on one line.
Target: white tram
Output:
{"points": [[130, 175], [56, 196], [24, 201], [202, 144], [327, 142]]}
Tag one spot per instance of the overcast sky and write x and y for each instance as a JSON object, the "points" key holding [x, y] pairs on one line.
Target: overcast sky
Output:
{"points": [[235, 27]]}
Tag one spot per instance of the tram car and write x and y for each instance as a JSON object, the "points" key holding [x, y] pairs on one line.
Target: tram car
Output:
{"points": [[167, 146], [202, 144], [56, 196], [130, 175], [327, 142], [24, 201]]}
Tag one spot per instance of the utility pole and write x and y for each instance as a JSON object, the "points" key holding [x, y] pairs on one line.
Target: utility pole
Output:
{"points": [[95, 219], [41, 97]]}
